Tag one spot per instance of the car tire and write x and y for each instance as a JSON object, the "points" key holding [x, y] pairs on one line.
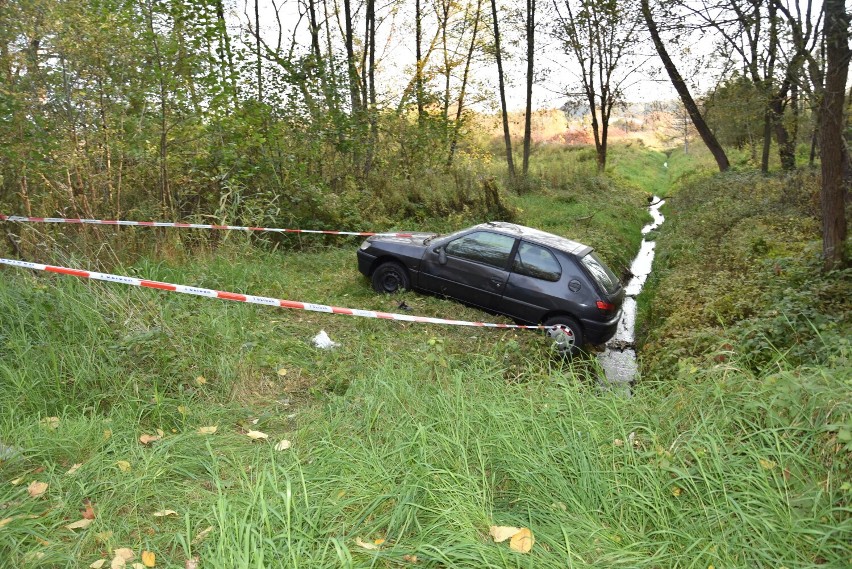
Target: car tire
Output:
{"points": [[566, 335], [390, 277]]}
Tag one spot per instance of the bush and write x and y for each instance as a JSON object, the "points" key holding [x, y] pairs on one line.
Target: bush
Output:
{"points": [[739, 267]]}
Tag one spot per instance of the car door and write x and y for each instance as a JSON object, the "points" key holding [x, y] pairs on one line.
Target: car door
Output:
{"points": [[534, 286], [472, 268]]}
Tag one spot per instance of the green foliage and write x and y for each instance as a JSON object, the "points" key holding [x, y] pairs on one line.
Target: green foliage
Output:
{"points": [[735, 110], [739, 269], [129, 109]]}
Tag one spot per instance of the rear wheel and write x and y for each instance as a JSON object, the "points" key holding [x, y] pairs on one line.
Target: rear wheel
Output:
{"points": [[566, 335], [390, 277]]}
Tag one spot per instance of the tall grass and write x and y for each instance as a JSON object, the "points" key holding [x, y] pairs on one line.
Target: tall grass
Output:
{"points": [[413, 440], [727, 468]]}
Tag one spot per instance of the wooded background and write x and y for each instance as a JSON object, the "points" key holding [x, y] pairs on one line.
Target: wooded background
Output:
{"points": [[322, 113]]}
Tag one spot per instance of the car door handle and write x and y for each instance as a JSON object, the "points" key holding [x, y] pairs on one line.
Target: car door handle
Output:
{"points": [[496, 281]]}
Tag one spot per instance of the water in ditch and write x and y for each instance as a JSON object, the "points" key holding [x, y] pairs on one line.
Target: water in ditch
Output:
{"points": [[618, 359]]}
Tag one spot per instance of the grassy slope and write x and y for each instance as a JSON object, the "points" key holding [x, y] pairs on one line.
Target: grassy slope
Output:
{"points": [[420, 436]]}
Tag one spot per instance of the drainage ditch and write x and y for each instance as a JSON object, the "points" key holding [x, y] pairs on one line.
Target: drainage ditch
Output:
{"points": [[618, 359]]}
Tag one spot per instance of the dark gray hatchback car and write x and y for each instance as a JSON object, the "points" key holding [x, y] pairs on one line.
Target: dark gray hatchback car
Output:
{"points": [[528, 275]]}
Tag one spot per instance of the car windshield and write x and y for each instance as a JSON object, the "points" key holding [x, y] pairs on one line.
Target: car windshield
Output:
{"points": [[605, 277], [449, 236]]}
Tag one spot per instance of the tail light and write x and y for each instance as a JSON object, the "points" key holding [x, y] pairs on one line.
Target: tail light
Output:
{"points": [[605, 307]]}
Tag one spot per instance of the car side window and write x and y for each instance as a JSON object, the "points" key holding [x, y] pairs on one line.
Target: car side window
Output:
{"points": [[537, 262], [483, 247]]}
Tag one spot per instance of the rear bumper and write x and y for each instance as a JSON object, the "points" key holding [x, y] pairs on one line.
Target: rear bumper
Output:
{"points": [[598, 332]]}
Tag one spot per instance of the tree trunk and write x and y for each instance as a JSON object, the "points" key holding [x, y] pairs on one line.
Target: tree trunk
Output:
{"points": [[683, 91], [766, 83], [226, 54], [460, 107], [312, 22], [444, 24], [530, 62], [257, 48], [786, 147], [831, 131], [165, 189], [370, 46], [767, 140], [418, 49], [506, 136], [354, 94]]}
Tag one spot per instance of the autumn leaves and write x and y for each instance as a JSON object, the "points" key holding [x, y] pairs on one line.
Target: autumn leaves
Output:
{"points": [[520, 539]]}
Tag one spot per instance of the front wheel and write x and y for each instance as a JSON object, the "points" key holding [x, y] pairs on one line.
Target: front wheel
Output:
{"points": [[566, 335], [390, 277]]}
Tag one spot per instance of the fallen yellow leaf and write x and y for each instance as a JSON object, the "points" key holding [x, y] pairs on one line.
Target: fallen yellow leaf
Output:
{"points": [[767, 464], [522, 541], [676, 491], [138, 566], [410, 558], [50, 422], [379, 541], [366, 545], [123, 465], [202, 535], [125, 553], [149, 559], [148, 439], [17, 481], [80, 524], [74, 468], [36, 489], [164, 513], [502, 533], [122, 556], [282, 372], [207, 430], [98, 564], [107, 434], [283, 445], [200, 380], [256, 435], [5, 521]]}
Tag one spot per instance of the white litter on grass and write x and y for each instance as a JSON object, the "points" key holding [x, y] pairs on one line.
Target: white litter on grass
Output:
{"points": [[7, 452], [322, 341]]}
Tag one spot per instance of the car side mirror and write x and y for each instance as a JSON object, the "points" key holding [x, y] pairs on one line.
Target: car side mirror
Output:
{"points": [[442, 255]]}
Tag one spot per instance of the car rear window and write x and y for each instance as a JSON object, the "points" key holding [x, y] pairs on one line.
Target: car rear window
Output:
{"points": [[601, 273]]}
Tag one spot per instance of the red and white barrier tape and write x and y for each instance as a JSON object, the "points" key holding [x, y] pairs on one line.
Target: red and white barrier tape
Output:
{"points": [[209, 293], [23, 219]]}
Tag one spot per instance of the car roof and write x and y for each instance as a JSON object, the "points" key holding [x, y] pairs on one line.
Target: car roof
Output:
{"points": [[537, 236]]}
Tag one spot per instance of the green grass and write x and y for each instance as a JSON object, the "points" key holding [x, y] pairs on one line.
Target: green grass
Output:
{"points": [[421, 436]]}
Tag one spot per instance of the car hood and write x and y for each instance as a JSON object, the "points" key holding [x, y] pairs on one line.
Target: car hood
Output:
{"points": [[409, 239]]}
